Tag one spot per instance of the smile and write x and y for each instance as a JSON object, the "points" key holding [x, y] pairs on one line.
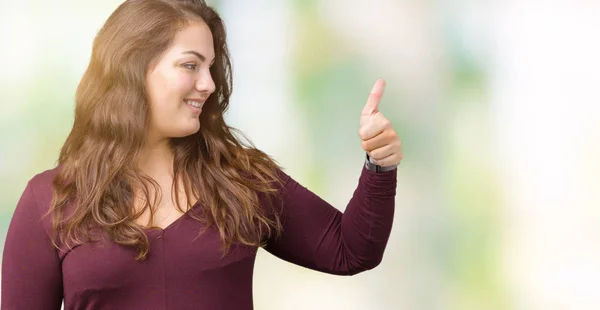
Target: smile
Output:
{"points": [[194, 103]]}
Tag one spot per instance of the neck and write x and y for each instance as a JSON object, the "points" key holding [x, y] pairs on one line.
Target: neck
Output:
{"points": [[156, 158]]}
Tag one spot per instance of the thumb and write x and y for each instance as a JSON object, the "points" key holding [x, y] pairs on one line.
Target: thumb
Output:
{"points": [[372, 105]]}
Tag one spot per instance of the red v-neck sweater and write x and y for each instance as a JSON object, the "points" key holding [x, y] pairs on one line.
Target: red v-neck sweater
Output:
{"points": [[182, 270]]}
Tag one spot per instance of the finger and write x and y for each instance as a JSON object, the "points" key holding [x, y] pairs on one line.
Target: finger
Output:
{"points": [[381, 153], [370, 130], [372, 105], [379, 140], [389, 157], [373, 126]]}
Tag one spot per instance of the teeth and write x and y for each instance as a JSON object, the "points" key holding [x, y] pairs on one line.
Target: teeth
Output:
{"points": [[194, 103]]}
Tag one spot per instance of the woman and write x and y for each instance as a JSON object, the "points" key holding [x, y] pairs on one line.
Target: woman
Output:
{"points": [[155, 204]]}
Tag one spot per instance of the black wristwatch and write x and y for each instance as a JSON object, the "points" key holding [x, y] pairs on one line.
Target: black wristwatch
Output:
{"points": [[375, 167]]}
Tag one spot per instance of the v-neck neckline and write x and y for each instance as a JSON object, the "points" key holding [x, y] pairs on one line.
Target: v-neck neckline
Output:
{"points": [[177, 220]]}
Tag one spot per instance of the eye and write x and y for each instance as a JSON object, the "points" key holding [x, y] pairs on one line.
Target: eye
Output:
{"points": [[191, 66]]}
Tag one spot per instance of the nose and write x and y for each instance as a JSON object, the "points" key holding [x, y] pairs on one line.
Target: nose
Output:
{"points": [[205, 83]]}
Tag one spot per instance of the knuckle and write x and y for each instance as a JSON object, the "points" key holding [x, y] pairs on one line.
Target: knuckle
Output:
{"points": [[360, 133], [375, 154], [365, 145], [386, 123]]}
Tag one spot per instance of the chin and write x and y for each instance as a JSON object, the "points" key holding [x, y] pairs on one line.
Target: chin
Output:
{"points": [[184, 129], [191, 131]]}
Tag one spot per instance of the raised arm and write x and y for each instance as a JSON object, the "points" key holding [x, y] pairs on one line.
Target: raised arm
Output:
{"points": [[318, 236]]}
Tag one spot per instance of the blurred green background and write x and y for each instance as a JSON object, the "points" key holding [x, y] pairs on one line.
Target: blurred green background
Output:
{"points": [[496, 104]]}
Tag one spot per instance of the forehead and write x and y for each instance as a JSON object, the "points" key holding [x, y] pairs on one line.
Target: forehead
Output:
{"points": [[195, 36]]}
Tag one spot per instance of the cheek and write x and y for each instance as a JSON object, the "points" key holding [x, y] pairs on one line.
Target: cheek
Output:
{"points": [[158, 89], [180, 85], [170, 88]]}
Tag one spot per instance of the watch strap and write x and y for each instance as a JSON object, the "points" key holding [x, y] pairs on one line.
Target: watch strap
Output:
{"points": [[375, 167]]}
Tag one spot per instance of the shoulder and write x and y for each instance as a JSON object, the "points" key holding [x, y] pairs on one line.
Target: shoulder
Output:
{"points": [[284, 185], [40, 186], [35, 201]]}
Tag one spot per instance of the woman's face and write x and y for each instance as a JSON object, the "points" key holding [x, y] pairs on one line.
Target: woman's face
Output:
{"points": [[180, 82]]}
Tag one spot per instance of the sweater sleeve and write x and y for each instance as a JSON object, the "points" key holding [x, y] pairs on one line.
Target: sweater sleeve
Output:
{"points": [[31, 270], [318, 236]]}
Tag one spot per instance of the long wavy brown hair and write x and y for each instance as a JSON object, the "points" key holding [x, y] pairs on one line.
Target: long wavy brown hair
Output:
{"points": [[98, 175]]}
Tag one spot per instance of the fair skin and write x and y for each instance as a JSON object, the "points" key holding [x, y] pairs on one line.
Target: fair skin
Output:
{"points": [[178, 85], [182, 75], [379, 138]]}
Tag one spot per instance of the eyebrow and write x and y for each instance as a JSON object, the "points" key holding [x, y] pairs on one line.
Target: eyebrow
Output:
{"points": [[200, 56]]}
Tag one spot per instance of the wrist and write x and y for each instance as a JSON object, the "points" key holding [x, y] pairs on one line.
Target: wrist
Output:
{"points": [[370, 165]]}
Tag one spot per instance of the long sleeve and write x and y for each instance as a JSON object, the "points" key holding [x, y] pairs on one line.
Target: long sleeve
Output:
{"points": [[31, 271], [318, 236]]}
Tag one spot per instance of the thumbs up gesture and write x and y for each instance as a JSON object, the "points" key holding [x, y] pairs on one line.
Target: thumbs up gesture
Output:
{"points": [[379, 139]]}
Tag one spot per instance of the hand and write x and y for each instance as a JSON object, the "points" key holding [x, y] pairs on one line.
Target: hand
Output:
{"points": [[379, 139]]}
